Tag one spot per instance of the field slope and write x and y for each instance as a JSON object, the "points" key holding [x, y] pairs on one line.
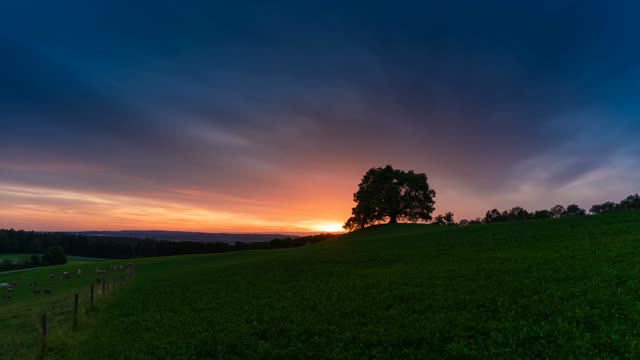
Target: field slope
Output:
{"points": [[552, 288]]}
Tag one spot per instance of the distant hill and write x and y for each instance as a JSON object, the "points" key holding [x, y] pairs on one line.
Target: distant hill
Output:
{"points": [[187, 236]]}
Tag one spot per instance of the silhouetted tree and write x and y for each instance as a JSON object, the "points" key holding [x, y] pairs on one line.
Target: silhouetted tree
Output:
{"points": [[632, 202], [446, 219], [603, 208], [557, 211], [542, 214], [493, 216], [517, 213], [388, 194], [574, 210]]}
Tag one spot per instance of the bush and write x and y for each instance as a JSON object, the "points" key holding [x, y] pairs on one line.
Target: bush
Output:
{"points": [[54, 255]]}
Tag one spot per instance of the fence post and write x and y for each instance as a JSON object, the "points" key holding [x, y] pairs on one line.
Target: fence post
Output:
{"points": [[91, 296], [103, 286], [75, 311], [114, 283], [44, 333]]}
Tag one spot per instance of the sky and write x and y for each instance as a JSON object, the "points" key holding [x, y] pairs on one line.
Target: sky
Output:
{"points": [[263, 116]]}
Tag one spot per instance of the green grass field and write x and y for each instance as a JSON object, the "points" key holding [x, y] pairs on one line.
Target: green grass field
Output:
{"points": [[71, 260], [534, 289]]}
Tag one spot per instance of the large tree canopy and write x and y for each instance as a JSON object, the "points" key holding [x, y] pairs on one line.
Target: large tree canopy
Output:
{"points": [[388, 194]]}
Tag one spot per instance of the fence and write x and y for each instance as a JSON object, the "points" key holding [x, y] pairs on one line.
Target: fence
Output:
{"points": [[109, 284]]}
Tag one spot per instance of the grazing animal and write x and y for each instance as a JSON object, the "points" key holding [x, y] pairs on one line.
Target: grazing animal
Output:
{"points": [[10, 290], [36, 291], [51, 276], [7, 297], [47, 291]]}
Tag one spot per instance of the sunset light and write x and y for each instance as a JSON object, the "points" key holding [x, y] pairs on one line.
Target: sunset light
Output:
{"points": [[329, 227], [322, 180]]}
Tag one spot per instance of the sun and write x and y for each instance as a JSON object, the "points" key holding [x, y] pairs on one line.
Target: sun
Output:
{"points": [[328, 227]]}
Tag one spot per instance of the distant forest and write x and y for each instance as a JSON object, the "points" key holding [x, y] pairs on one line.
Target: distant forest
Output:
{"points": [[29, 242], [631, 202]]}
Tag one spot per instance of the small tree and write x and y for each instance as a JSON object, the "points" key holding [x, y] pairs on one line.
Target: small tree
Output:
{"points": [[388, 194], [632, 202], [557, 211], [603, 208], [517, 213], [446, 219], [54, 255], [36, 260], [574, 210], [6, 264], [542, 214], [493, 216]]}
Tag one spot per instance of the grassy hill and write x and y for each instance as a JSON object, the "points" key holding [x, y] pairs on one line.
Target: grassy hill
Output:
{"points": [[549, 288]]}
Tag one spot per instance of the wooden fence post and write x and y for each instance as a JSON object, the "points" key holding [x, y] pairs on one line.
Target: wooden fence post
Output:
{"points": [[103, 286], [75, 311], [91, 296], [44, 333]]}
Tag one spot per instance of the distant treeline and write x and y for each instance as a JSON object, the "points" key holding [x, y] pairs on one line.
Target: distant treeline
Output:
{"points": [[29, 242], [632, 202]]}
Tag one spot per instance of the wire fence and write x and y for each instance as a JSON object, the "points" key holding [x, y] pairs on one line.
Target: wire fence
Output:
{"points": [[59, 317]]}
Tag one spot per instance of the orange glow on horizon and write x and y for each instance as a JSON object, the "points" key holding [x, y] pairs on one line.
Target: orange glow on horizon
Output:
{"points": [[46, 209], [329, 227]]}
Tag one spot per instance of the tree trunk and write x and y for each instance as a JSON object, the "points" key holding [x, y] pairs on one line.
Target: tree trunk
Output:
{"points": [[393, 219]]}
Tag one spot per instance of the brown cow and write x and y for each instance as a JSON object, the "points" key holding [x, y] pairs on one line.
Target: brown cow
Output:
{"points": [[7, 297], [36, 291], [47, 291]]}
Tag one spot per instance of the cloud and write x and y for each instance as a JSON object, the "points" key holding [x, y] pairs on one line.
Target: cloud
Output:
{"points": [[276, 112]]}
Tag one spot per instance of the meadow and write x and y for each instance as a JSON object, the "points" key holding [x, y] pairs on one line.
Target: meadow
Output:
{"points": [[533, 289], [71, 260]]}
